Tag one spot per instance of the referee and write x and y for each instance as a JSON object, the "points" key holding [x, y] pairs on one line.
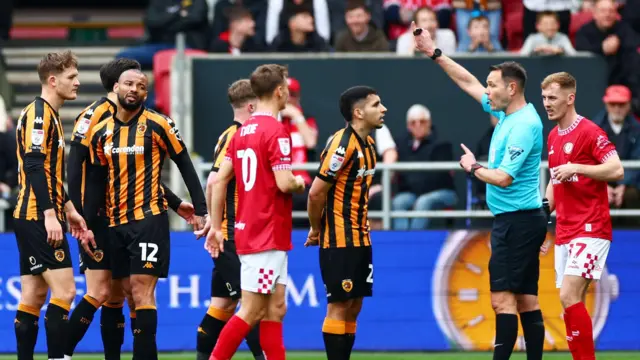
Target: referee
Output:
{"points": [[513, 196]]}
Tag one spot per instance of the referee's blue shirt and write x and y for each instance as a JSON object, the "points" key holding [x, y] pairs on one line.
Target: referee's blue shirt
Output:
{"points": [[516, 148]]}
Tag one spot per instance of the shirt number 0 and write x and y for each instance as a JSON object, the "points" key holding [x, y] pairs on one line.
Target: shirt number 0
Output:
{"points": [[249, 168]]}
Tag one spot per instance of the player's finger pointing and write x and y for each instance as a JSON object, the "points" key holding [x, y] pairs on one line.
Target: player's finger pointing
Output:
{"points": [[465, 149]]}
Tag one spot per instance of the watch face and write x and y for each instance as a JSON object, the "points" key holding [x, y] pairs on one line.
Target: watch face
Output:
{"points": [[462, 299]]}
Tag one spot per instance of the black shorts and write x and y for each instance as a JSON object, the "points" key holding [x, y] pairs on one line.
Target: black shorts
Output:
{"points": [[347, 273], [516, 238], [225, 277], [36, 255], [141, 247], [102, 253]]}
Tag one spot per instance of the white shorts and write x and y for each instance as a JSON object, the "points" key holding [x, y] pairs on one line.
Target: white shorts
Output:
{"points": [[260, 272], [585, 257]]}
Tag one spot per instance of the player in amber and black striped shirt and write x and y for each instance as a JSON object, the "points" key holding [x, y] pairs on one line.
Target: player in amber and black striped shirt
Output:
{"points": [[39, 216], [95, 259], [225, 278], [129, 150], [337, 209]]}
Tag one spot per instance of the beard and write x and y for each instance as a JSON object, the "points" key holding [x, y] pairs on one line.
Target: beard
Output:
{"points": [[127, 105]]}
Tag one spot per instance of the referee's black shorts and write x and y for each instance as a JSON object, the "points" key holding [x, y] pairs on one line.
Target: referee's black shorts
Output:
{"points": [[516, 238]]}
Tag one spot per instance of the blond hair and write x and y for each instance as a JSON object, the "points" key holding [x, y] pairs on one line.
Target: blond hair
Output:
{"points": [[565, 80]]}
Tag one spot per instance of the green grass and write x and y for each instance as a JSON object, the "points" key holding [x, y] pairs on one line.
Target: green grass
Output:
{"points": [[375, 355]]}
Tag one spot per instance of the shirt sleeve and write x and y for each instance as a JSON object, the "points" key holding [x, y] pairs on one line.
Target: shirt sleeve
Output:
{"points": [[170, 138], [86, 121], [279, 150], [96, 149], [487, 108], [519, 145], [220, 151], [601, 148], [334, 157], [37, 124]]}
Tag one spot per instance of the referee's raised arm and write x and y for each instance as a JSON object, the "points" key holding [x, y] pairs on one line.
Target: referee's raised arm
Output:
{"points": [[461, 76]]}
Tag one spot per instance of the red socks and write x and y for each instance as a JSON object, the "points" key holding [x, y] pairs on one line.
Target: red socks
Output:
{"points": [[579, 332], [230, 339], [271, 340]]}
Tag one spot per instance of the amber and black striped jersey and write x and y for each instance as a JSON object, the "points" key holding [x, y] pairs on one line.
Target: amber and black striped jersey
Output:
{"points": [[349, 163], [39, 133], [231, 199], [92, 115], [133, 154]]}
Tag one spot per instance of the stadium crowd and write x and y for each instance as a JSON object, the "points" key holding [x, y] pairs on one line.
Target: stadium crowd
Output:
{"points": [[606, 28]]}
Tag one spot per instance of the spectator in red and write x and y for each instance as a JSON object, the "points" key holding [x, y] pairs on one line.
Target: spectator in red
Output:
{"points": [[240, 38], [616, 41], [399, 13], [304, 137]]}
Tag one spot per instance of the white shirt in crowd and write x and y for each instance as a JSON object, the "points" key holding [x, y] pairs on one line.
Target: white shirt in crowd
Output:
{"points": [[445, 40]]}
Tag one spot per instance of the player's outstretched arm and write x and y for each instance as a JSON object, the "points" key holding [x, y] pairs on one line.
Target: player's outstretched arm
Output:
{"points": [[218, 193], [461, 76], [190, 177]]}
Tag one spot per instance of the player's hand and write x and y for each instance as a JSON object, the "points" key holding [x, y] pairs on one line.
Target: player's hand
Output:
{"points": [[198, 222], [544, 249], [205, 230], [215, 243], [77, 225], [186, 211], [618, 195], [313, 238], [301, 184], [88, 242], [53, 227], [422, 40], [468, 159], [565, 172]]}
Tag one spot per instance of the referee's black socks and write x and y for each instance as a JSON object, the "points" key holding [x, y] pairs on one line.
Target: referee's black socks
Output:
{"points": [[506, 335], [336, 341], [533, 327], [112, 329], [26, 328], [79, 322]]}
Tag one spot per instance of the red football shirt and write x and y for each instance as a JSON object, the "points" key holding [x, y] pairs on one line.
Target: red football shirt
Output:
{"points": [[582, 203], [260, 147]]}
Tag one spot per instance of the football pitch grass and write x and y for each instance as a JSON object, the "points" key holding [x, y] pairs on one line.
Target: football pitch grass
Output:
{"points": [[294, 355]]}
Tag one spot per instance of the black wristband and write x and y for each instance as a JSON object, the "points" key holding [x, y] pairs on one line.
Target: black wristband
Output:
{"points": [[475, 167]]}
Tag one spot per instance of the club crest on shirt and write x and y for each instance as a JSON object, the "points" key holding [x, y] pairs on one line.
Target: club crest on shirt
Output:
{"points": [[347, 285], [285, 146], [141, 129], [568, 148]]}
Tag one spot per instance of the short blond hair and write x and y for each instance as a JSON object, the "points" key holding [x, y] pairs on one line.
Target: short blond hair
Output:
{"points": [[565, 80], [240, 92], [56, 63]]}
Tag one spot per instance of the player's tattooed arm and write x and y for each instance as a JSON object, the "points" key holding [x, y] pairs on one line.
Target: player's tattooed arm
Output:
{"points": [[77, 155]]}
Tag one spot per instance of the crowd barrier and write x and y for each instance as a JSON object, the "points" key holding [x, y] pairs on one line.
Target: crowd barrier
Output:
{"points": [[430, 294]]}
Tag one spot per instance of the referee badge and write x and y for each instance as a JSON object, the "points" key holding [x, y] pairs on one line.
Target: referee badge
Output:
{"points": [[59, 255], [347, 285], [98, 255]]}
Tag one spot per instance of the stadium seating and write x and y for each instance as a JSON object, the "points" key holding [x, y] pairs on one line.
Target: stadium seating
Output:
{"points": [[162, 77]]}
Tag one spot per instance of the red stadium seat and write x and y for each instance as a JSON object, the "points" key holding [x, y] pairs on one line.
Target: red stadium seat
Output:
{"points": [[577, 21], [513, 26], [162, 77]]}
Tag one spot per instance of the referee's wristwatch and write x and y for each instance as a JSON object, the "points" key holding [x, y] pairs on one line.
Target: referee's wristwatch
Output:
{"points": [[475, 167], [436, 54]]}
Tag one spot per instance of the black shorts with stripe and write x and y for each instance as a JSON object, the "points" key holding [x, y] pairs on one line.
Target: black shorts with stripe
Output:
{"points": [[36, 255]]}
